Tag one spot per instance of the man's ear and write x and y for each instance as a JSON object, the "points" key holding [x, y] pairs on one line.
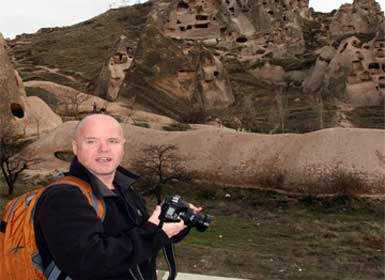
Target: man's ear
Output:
{"points": [[74, 147]]}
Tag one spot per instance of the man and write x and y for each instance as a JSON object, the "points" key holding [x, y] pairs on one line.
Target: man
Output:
{"points": [[68, 231]]}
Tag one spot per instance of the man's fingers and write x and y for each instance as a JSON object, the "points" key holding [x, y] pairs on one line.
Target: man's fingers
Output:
{"points": [[172, 229], [194, 208], [157, 209]]}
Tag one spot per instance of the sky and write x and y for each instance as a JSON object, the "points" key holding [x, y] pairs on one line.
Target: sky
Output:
{"points": [[28, 16]]}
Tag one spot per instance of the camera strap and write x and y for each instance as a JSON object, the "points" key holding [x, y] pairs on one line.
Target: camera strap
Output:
{"points": [[168, 252]]}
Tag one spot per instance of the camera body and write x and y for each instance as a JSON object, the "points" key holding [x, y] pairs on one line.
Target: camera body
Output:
{"points": [[175, 208]]}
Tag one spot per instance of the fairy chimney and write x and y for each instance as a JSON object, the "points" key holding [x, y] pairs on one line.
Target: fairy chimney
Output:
{"points": [[114, 71]]}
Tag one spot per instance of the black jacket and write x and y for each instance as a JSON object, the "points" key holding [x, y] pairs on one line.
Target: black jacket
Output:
{"points": [[122, 246]]}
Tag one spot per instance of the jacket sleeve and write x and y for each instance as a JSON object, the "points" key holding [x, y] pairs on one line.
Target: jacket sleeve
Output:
{"points": [[75, 238]]}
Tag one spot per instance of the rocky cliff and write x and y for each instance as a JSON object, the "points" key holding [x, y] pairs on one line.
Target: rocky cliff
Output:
{"points": [[262, 66]]}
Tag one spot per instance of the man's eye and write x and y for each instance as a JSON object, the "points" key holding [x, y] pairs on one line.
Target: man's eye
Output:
{"points": [[90, 142], [113, 141]]}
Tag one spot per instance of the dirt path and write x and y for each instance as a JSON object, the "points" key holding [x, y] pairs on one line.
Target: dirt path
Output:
{"points": [[56, 71]]}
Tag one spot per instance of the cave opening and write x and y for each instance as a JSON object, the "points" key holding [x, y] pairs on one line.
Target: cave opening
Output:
{"points": [[17, 110]]}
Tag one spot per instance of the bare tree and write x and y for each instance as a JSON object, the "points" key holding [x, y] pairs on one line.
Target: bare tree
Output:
{"points": [[11, 166], [72, 103], [160, 165]]}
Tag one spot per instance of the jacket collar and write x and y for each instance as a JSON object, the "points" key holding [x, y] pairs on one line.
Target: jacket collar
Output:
{"points": [[123, 178]]}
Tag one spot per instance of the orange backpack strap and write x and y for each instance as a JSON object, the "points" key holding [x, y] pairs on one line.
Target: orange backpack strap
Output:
{"points": [[96, 202]]}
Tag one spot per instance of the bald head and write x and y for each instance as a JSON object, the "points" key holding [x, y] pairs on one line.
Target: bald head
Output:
{"points": [[99, 146], [96, 120]]}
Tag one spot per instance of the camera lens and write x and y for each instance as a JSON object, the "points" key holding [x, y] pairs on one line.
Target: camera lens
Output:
{"points": [[203, 223], [194, 219]]}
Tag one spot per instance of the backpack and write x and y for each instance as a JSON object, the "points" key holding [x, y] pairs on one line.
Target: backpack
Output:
{"points": [[19, 256]]}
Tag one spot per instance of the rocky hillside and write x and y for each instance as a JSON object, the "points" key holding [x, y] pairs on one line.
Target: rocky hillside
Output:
{"points": [[262, 65], [330, 161]]}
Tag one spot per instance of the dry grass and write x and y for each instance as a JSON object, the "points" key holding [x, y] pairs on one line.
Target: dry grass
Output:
{"points": [[267, 235]]}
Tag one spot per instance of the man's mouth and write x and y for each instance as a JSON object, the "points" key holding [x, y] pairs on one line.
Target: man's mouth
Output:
{"points": [[103, 159]]}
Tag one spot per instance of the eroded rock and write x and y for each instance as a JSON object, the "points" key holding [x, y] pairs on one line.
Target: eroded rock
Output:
{"points": [[355, 70], [23, 116], [72, 104], [363, 16], [113, 73], [293, 162]]}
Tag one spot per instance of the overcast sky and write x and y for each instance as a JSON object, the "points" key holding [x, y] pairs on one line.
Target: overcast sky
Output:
{"points": [[27, 16]]}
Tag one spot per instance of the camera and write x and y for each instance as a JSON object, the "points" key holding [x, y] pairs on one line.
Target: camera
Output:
{"points": [[175, 208]]}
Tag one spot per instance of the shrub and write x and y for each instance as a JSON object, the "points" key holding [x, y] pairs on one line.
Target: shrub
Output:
{"points": [[142, 124], [64, 155], [335, 180], [177, 127], [45, 95]]}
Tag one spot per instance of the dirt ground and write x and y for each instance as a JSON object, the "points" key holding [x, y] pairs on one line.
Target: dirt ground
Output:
{"points": [[268, 235]]}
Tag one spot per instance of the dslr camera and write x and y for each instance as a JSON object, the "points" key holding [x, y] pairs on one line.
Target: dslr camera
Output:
{"points": [[175, 208]]}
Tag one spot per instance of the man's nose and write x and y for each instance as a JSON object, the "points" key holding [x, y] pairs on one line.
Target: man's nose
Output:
{"points": [[103, 146]]}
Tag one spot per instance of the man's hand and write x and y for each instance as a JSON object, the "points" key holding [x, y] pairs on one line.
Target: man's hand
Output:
{"points": [[170, 229], [155, 216]]}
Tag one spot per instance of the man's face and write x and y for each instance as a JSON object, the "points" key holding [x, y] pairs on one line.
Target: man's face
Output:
{"points": [[99, 146]]}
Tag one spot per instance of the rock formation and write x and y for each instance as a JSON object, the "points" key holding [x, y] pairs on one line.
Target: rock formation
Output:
{"points": [[354, 70], [363, 16], [113, 73], [292, 162], [72, 104], [223, 59], [253, 24], [266, 37], [169, 72], [23, 116], [10, 103], [214, 83]]}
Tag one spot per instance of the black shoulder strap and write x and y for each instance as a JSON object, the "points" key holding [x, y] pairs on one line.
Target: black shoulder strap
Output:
{"points": [[168, 252], [3, 226]]}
